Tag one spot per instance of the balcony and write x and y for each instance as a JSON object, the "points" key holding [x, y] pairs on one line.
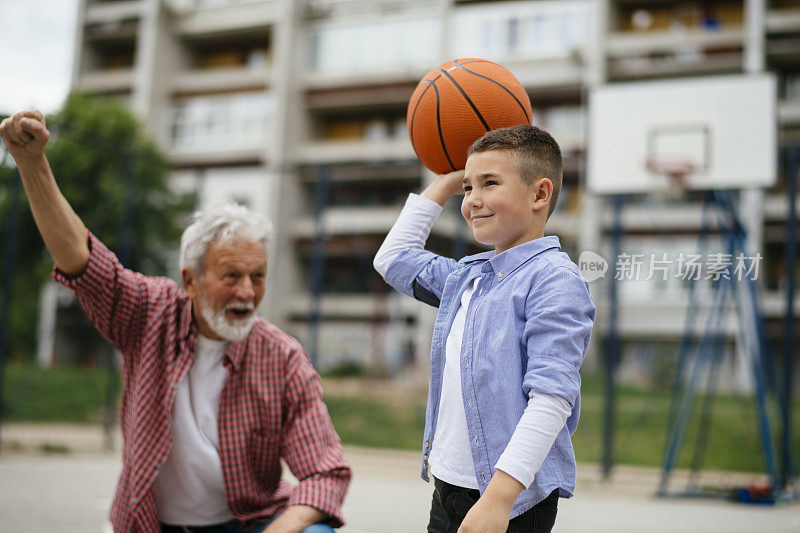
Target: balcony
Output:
{"points": [[222, 79], [782, 20], [686, 52], [106, 81], [559, 74], [626, 44], [776, 206], [226, 17], [389, 50], [663, 318], [319, 152], [220, 129], [377, 220], [112, 12], [210, 156], [789, 112]]}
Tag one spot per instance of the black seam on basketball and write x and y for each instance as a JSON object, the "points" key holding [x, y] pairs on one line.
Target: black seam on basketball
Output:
{"points": [[439, 125], [467, 98], [467, 63], [414, 114], [460, 65]]}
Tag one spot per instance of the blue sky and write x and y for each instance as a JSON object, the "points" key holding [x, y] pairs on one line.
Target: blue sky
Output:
{"points": [[36, 48]]}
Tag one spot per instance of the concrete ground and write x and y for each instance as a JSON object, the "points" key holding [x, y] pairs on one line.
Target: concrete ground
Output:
{"points": [[72, 493]]}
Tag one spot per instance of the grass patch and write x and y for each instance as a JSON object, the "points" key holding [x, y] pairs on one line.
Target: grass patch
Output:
{"points": [[369, 422], [54, 449], [79, 395], [34, 394], [733, 439]]}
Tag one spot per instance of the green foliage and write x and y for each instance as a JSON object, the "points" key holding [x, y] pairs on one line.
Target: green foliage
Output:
{"points": [[79, 395], [375, 423], [106, 167], [67, 394]]}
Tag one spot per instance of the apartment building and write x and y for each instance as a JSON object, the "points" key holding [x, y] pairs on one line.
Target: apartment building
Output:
{"points": [[297, 109]]}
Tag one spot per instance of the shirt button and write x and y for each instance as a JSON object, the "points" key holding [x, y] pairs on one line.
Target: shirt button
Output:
{"points": [[500, 275]]}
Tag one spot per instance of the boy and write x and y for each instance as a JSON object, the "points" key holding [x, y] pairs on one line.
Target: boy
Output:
{"points": [[510, 336]]}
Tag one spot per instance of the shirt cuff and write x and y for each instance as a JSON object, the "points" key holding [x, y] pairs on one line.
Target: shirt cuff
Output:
{"points": [[324, 495], [537, 429], [95, 268], [415, 200]]}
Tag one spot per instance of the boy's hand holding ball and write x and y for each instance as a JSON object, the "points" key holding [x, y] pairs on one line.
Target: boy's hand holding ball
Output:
{"points": [[445, 186]]}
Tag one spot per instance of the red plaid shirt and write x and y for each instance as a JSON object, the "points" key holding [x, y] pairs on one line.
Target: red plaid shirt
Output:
{"points": [[270, 408]]}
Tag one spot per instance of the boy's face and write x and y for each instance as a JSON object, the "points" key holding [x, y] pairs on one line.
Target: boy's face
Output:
{"points": [[498, 206]]}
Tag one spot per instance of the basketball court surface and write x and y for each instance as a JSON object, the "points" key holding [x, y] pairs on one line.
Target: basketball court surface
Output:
{"points": [[72, 494]]}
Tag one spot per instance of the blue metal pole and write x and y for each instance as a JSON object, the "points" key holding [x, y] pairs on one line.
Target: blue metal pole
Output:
{"points": [[318, 261], [689, 326], [787, 463], [755, 320], [8, 276], [687, 404], [717, 345], [612, 346]]}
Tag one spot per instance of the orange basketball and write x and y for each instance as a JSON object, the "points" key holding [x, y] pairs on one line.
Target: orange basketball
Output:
{"points": [[456, 103]]}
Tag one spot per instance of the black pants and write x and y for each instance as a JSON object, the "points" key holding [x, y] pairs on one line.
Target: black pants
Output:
{"points": [[451, 504]]}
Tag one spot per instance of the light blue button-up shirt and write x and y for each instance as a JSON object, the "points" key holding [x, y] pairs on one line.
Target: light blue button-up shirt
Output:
{"points": [[527, 330]]}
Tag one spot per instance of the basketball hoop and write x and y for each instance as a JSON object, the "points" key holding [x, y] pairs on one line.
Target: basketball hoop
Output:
{"points": [[675, 173]]}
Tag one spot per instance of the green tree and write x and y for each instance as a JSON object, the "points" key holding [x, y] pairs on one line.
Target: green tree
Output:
{"points": [[115, 178]]}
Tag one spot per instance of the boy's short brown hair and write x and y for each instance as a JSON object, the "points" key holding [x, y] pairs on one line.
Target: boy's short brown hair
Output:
{"points": [[536, 154]]}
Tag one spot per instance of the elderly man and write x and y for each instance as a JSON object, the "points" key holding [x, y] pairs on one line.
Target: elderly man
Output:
{"points": [[213, 396]]}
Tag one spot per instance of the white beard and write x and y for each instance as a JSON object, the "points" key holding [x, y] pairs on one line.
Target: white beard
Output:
{"points": [[233, 331]]}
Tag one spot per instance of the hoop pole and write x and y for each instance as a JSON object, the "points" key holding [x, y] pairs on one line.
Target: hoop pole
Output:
{"points": [[318, 260], [755, 345], [688, 332], [687, 404], [9, 254], [717, 344], [787, 462], [612, 347]]}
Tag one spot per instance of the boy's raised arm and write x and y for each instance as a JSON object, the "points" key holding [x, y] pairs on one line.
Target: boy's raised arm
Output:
{"points": [[418, 273], [64, 234], [414, 224]]}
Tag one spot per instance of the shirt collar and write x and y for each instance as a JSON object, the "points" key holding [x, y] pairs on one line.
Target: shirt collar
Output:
{"points": [[187, 326], [508, 261]]}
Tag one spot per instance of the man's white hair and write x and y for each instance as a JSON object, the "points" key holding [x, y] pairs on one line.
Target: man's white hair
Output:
{"points": [[223, 222]]}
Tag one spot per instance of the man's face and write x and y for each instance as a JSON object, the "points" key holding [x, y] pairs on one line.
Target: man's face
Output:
{"points": [[498, 206], [226, 297]]}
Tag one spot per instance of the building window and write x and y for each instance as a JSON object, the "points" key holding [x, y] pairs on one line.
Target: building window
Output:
{"points": [[511, 30], [221, 122], [378, 47]]}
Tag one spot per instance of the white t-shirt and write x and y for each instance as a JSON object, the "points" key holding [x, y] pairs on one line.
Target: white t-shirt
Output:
{"points": [[190, 488], [451, 456]]}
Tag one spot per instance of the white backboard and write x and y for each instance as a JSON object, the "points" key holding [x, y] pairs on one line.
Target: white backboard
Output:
{"points": [[724, 127]]}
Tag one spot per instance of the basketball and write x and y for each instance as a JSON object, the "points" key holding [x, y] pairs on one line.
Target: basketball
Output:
{"points": [[456, 103]]}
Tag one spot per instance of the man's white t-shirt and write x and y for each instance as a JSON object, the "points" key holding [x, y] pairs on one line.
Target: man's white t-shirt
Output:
{"points": [[190, 488]]}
